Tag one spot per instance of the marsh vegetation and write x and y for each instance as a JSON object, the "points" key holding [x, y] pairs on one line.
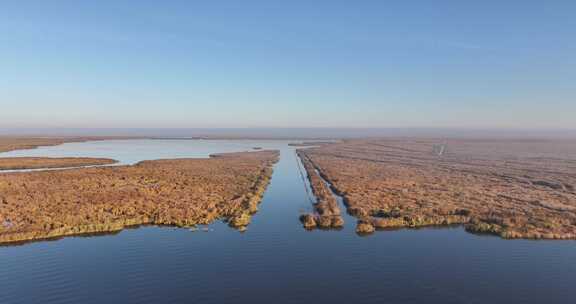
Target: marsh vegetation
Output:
{"points": [[510, 188], [326, 213], [180, 192], [24, 163]]}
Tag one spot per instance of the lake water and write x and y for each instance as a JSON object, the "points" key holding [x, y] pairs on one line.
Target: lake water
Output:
{"points": [[276, 260]]}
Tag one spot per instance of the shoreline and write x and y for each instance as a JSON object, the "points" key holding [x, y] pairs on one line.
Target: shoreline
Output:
{"points": [[39, 163]]}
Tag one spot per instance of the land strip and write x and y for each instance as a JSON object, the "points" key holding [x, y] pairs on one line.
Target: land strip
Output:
{"points": [[510, 188], [11, 143], [327, 212], [180, 192], [19, 163]]}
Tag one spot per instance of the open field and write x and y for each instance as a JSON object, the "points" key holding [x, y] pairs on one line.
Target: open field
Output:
{"points": [[182, 192], [511, 188]]}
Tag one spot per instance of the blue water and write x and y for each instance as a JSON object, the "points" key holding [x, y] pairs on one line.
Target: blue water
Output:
{"points": [[276, 260]]}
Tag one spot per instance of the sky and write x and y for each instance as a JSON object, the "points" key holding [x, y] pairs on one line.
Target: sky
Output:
{"points": [[250, 64]]}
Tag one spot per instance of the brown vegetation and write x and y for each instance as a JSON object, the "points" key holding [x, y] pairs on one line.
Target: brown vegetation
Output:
{"points": [[327, 210], [181, 192], [18, 143], [10, 143], [16, 163], [511, 188]]}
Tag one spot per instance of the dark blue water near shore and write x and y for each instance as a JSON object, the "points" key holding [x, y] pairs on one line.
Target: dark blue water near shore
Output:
{"points": [[276, 261]]}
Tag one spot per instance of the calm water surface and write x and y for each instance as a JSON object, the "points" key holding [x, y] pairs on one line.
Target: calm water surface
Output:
{"points": [[276, 261]]}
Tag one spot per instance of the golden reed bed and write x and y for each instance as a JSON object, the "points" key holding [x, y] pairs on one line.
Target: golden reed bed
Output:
{"points": [[181, 192], [511, 188]]}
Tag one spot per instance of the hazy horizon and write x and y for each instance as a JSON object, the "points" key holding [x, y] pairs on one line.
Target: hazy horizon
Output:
{"points": [[296, 133], [258, 64]]}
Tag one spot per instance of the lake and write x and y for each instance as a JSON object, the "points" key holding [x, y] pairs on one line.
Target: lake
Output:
{"points": [[276, 260]]}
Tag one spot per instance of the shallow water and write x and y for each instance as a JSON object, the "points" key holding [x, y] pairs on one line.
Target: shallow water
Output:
{"points": [[276, 260], [128, 152]]}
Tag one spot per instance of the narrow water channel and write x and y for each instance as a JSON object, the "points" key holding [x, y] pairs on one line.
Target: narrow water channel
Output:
{"points": [[349, 221]]}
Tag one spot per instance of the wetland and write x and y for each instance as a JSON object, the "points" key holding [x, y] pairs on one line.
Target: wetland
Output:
{"points": [[272, 257]]}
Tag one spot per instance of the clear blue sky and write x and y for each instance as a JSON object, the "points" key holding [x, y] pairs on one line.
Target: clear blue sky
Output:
{"points": [[473, 64]]}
